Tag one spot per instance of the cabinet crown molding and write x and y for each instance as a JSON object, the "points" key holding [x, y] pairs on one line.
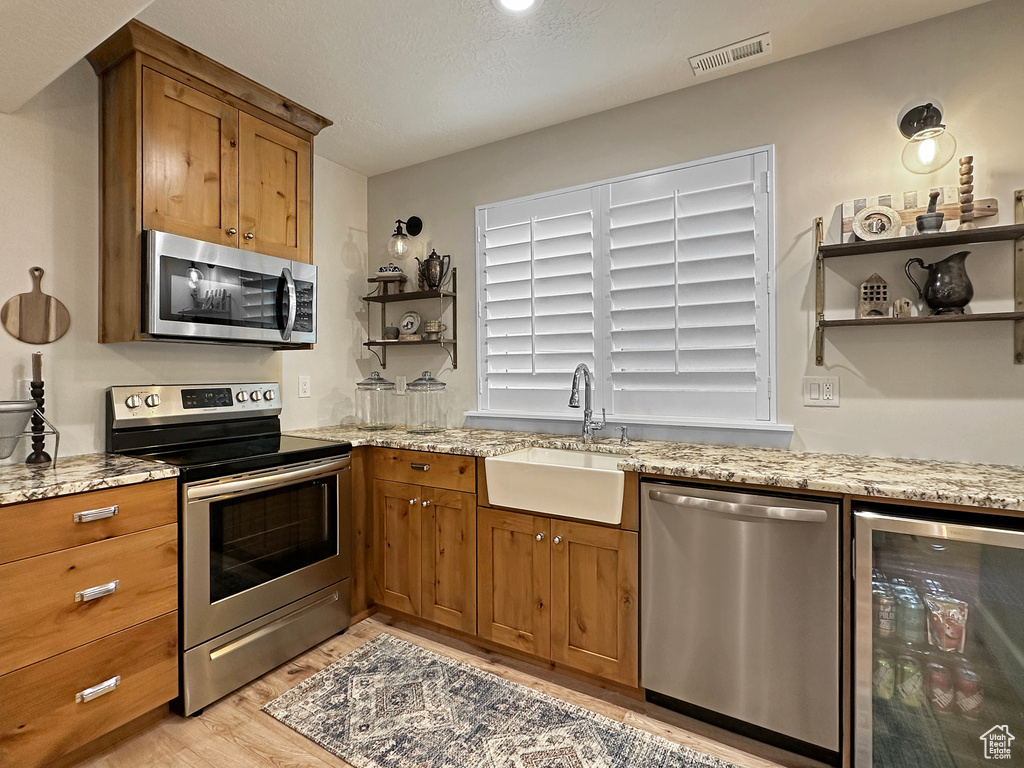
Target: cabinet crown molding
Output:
{"points": [[136, 37]]}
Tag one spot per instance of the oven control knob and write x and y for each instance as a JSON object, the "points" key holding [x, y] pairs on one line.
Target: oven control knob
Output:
{"points": [[269, 395], [255, 395], [241, 397], [152, 400], [133, 401]]}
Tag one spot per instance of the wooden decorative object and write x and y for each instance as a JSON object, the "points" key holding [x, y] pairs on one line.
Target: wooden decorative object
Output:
{"points": [[967, 193], [38, 455], [902, 307], [874, 298], [911, 204]]}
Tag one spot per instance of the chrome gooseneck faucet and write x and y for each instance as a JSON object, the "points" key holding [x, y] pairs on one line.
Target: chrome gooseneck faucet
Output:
{"points": [[589, 425]]}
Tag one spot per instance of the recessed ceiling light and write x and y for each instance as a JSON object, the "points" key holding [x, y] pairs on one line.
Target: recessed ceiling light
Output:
{"points": [[517, 7]]}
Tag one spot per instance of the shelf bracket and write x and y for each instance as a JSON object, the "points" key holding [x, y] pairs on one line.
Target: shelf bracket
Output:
{"points": [[1018, 279], [382, 356], [819, 293]]}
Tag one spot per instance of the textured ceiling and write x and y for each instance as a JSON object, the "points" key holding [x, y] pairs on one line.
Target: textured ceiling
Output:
{"points": [[40, 39], [409, 80]]}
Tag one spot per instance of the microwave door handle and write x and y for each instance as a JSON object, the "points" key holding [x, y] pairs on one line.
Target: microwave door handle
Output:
{"points": [[289, 322]]}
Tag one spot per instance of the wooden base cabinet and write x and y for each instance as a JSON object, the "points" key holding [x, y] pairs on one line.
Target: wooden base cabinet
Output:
{"points": [[560, 590], [424, 553], [89, 629]]}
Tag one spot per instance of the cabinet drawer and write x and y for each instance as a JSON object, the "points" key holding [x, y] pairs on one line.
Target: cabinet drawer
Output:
{"points": [[40, 719], [46, 607], [436, 470], [37, 527]]}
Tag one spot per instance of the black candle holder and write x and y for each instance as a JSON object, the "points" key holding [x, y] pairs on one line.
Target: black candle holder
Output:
{"points": [[38, 455]]}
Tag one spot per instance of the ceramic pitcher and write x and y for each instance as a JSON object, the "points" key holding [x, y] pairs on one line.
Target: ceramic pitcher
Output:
{"points": [[947, 289]]}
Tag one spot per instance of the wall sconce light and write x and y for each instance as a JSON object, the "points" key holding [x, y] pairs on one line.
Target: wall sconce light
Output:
{"points": [[930, 145], [398, 245]]}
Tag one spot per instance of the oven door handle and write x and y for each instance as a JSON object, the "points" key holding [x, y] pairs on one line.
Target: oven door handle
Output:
{"points": [[265, 482]]}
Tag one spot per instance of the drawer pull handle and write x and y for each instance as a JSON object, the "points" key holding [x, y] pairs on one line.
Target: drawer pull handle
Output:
{"points": [[95, 514], [420, 467], [93, 592], [98, 690]]}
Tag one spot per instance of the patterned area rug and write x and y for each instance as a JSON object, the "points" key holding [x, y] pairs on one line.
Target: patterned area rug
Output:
{"points": [[392, 704]]}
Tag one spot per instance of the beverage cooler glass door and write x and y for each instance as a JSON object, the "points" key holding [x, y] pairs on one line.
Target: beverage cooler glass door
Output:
{"points": [[205, 291], [939, 664]]}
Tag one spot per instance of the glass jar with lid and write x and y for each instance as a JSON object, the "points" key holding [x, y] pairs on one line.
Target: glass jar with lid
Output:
{"points": [[375, 402], [426, 404]]}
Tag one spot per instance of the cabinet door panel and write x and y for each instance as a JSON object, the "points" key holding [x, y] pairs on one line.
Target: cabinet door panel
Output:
{"points": [[449, 559], [398, 535], [513, 580], [190, 161], [275, 189], [594, 617]]}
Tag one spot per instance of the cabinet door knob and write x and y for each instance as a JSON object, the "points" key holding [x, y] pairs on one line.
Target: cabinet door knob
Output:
{"points": [[413, 501], [540, 537], [557, 540], [232, 231], [426, 503], [248, 235]]}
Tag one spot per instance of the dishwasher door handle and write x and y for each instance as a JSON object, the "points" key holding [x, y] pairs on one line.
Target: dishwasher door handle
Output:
{"points": [[790, 514]]}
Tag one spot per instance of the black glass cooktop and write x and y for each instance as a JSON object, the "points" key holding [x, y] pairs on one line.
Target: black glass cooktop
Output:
{"points": [[229, 457]]}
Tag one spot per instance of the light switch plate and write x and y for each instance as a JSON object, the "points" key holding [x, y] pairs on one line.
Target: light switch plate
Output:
{"points": [[821, 391], [304, 386]]}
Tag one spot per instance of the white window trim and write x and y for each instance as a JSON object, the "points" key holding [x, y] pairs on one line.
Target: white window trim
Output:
{"points": [[754, 431]]}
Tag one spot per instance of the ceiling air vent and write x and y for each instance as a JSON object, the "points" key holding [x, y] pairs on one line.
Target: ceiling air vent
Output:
{"points": [[731, 55]]}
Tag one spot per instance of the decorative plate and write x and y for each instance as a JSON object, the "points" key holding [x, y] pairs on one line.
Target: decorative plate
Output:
{"points": [[877, 222], [410, 323]]}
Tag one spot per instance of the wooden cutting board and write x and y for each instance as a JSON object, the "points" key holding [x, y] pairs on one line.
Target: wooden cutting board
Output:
{"points": [[35, 317]]}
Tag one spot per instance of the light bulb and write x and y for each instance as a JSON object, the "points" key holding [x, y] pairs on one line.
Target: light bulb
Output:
{"points": [[195, 277], [517, 7], [398, 246], [928, 151]]}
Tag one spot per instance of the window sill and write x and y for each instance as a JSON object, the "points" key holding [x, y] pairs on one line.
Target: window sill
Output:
{"points": [[750, 433]]}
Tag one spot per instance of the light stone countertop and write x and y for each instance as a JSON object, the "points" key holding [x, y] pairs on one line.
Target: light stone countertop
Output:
{"points": [[940, 482], [76, 474]]}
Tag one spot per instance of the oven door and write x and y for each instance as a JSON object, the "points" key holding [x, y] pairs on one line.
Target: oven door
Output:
{"points": [[206, 292], [253, 543]]}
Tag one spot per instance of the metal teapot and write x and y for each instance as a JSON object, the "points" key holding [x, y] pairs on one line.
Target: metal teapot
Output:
{"points": [[947, 288], [434, 269]]}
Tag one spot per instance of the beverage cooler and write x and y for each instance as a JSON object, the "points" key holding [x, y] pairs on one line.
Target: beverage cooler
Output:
{"points": [[939, 640]]}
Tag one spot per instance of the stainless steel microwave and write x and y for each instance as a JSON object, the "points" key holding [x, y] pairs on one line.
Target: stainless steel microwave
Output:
{"points": [[198, 291]]}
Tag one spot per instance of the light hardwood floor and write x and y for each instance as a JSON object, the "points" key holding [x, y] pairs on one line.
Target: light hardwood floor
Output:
{"points": [[234, 733]]}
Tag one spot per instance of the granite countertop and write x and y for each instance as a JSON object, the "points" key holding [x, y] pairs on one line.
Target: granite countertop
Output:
{"points": [[940, 482], [76, 474]]}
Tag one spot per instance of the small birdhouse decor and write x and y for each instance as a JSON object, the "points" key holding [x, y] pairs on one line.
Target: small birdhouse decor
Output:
{"points": [[874, 298], [902, 308]]}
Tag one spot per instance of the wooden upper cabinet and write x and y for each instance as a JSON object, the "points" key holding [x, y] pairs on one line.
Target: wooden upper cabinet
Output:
{"points": [[274, 190], [189, 161], [190, 147]]}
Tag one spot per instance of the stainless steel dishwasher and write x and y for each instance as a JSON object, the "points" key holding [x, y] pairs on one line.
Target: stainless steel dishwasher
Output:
{"points": [[740, 612]]}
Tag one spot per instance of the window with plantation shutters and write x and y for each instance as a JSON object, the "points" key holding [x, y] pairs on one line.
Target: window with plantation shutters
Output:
{"points": [[659, 282]]}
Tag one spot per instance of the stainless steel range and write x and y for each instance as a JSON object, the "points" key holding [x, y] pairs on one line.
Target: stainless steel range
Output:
{"points": [[264, 522]]}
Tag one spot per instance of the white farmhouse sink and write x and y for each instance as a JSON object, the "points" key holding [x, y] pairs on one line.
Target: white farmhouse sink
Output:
{"points": [[587, 486]]}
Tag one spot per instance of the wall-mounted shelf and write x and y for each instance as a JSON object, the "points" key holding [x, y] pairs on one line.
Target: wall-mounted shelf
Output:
{"points": [[938, 240], [380, 347]]}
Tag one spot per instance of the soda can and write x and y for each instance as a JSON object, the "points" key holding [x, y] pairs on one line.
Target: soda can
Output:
{"points": [[883, 678], [909, 681], [969, 696], [911, 618], [885, 611], [941, 691]]}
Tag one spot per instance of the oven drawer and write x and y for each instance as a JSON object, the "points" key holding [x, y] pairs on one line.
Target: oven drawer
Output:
{"points": [[40, 719], [436, 470], [55, 602], [38, 527]]}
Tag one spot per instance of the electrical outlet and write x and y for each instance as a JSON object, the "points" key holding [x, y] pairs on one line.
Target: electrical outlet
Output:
{"points": [[304, 386], [399, 385], [821, 391]]}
